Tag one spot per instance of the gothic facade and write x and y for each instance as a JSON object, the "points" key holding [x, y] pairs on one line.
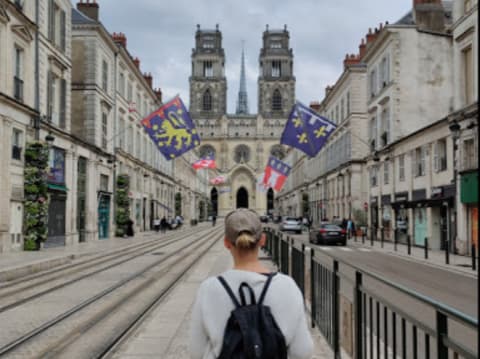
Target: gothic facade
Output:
{"points": [[241, 142]]}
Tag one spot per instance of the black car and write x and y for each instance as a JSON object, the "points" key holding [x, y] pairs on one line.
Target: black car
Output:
{"points": [[327, 233], [264, 219]]}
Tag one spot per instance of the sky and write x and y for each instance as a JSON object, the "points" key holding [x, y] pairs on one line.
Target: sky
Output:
{"points": [[162, 34]]}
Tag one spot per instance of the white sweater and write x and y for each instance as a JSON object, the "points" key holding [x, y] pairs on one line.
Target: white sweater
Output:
{"points": [[213, 306]]}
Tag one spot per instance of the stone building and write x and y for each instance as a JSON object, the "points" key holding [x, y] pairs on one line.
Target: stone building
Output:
{"points": [[110, 96], [241, 142], [18, 112]]}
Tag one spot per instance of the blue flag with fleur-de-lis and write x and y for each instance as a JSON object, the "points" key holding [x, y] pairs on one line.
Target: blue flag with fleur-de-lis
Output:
{"points": [[172, 129], [306, 130]]}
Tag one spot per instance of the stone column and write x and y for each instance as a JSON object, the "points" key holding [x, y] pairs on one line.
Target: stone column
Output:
{"points": [[91, 225], [5, 185], [71, 235]]}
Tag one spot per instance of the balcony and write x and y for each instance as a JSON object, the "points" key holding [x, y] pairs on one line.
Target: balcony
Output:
{"points": [[18, 89]]}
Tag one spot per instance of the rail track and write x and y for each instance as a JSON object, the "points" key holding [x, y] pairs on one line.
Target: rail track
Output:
{"points": [[99, 316]]}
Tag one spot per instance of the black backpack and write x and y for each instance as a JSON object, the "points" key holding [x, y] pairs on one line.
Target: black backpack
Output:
{"points": [[251, 331]]}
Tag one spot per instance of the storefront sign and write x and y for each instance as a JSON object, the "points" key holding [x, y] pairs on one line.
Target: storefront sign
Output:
{"points": [[400, 197], [373, 201], [437, 192], [56, 173]]}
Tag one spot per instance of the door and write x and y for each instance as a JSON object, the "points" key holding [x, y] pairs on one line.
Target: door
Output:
{"points": [[242, 198], [443, 227], [56, 221], [420, 226], [103, 216]]}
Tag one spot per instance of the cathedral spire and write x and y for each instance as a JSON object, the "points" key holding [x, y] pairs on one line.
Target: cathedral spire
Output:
{"points": [[242, 102]]}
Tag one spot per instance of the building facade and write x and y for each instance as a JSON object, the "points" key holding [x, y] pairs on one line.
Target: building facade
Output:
{"points": [[241, 142]]}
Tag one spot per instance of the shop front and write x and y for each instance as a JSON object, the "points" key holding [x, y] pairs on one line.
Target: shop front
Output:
{"points": [[57, 192], [387, 217], [400, 207], [469, 202], [420, 228]]}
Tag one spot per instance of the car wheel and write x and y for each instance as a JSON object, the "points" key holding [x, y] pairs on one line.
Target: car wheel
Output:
{"points": [[298, 232], [344, 242]]}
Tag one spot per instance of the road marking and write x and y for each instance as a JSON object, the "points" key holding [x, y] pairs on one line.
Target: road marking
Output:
{"points": [[345, 249], [364, 249]]}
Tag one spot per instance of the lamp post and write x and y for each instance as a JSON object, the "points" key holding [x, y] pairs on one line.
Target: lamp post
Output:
{"points": [[455, 129]]}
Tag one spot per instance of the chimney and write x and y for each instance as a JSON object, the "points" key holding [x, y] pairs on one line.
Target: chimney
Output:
{"points": [[158, 93], [361, 49], [120, 39], [148, 78], [315, 106], [136, 61], [89, 9], [371, 35], [350, 60], [429, 15]]}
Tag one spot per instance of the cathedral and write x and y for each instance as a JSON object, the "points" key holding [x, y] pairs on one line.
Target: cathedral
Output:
{"points": [[241, 142]]}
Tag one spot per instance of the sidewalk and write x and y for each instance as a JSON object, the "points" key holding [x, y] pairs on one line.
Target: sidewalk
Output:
{"points": [[18, 264], [458, 263], [165, 332]]}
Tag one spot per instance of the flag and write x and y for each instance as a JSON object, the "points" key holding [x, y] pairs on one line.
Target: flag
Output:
{"points": [[276, 173], [206, 162], [261, 187], [218, 180], [306, 130], [171, 129]]}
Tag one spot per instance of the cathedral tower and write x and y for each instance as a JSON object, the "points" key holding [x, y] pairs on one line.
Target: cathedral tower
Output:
{"points": [[242, 102], [276, 83], [208, 85]]}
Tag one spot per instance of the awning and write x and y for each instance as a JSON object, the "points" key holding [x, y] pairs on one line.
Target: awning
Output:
{"points": [[57, 187], [429, 202]]}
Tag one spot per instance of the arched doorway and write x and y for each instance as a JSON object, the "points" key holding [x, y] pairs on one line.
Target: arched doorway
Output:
{"points": [[214, 201], [270, 199], [242, 198]]}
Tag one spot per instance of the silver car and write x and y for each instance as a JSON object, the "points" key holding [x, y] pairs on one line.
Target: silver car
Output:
{"points": [[291, 224]]}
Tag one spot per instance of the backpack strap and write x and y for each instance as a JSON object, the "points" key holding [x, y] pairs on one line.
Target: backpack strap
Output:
{"points": [[242, 294], [265, 288], [229, 291]]}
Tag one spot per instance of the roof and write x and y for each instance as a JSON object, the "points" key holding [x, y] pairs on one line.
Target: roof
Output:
{"points": [[407, 19], [80, 18]]}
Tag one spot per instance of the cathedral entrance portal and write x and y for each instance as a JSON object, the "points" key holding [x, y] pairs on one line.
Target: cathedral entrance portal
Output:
{"points": [[214, 201], [242, 198]]}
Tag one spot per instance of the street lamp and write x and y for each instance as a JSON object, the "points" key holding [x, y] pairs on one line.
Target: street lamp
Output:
{"points": [[454, 128], [49, 138]]}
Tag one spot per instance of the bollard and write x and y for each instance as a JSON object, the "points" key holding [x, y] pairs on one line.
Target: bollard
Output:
{"points": [[364, 233], [374, 230], [395, 239], [447, 252], [474, 264], [382, 235], [409, 246], [426, 247]]}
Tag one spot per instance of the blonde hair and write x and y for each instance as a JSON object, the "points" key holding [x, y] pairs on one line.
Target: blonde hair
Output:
{"points": [[245, 241]]}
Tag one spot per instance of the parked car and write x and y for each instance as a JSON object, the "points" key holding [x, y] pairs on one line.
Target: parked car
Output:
{"points": [[328, 233], [264, 219], [291, 224]]}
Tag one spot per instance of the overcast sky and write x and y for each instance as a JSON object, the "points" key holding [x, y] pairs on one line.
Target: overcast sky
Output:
{"points": [[162, 33]]}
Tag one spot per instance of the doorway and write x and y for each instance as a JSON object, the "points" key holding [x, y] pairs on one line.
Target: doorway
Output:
{"points": [[242, 198], [103, 216], [214, 201]]}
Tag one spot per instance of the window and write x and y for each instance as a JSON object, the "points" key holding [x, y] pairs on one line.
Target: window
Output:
{"points": [[275, 45], [137, 145], [276, 69], [56, 99], [373, 176], [17, 144], [469, 160], [56, 25], [385, 126], [121, 84], [336, 114], [348, 103], [17, 79], [384, 72], [121, 134], [105, 76], [208, 45], [56, 166], [130, 140], [440, 156], [373, 83], [373, 133], [342, 108], [104, 130], [276, 101], [386, 172], [129, 91], [207, 69], [419, 162], [242, 154], [467, 5], [401, 168], [207, 101], [104, 183], [468, 74]]}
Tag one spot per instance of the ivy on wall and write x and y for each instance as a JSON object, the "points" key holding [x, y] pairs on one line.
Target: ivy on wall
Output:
{"points": [[122, 214], [36, 195]]}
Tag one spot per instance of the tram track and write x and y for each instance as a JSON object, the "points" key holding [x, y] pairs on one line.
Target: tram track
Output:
{"points": [[109, 299], [13, 297]]}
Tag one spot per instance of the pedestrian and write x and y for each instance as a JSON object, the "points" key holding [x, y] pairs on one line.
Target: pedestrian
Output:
{"points": [[163, 224], [156, 224], [130, 231], [305, 223], [214, 220], [349, 228], [214, 304]]}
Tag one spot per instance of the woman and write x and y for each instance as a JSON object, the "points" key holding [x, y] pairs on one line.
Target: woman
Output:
{"points": [[213, 305]]}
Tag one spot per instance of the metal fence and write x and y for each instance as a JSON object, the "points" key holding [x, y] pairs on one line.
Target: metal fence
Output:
{"points": [[382, 325]]}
